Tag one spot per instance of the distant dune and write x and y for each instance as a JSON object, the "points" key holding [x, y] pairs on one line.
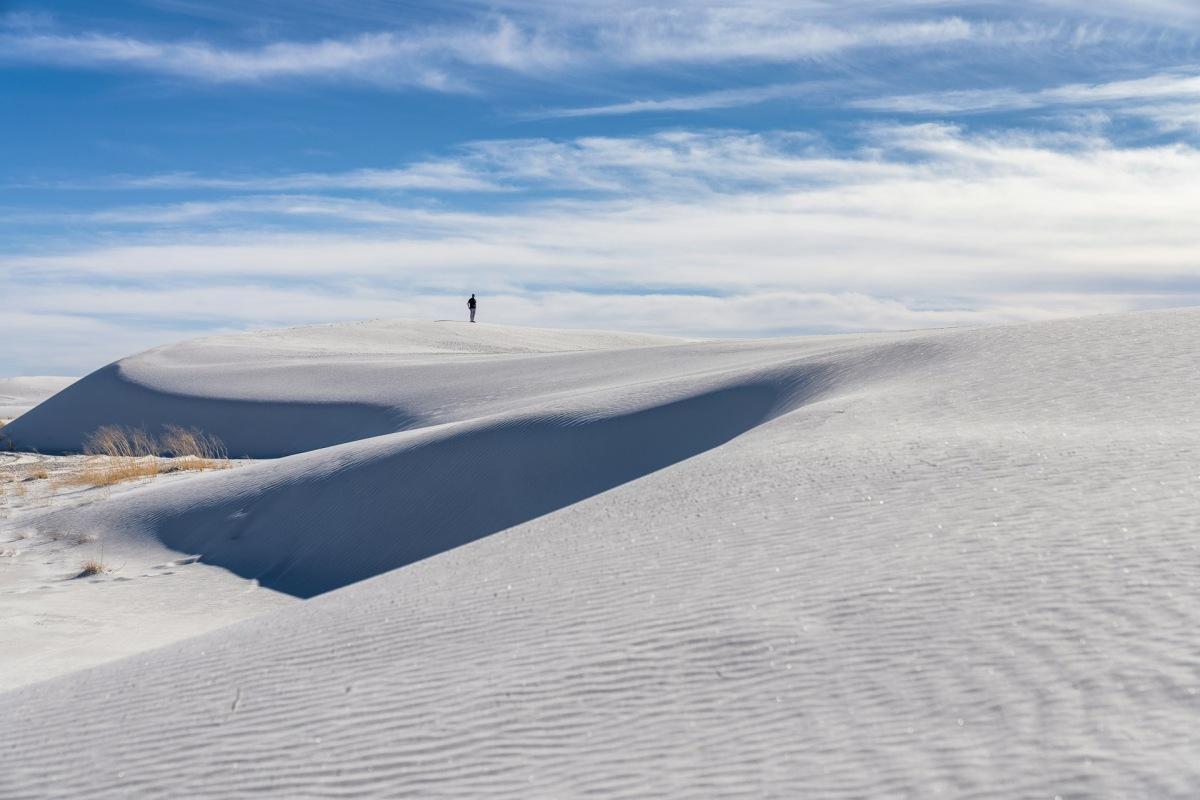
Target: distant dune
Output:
{"points": [[281, 392], [956, 563], [18, 395]]}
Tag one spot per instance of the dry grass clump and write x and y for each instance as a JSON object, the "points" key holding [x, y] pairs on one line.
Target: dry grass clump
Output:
{"points": [[92, 566], [193, 449], [117, 442], [117, 470], [38, 473], [125, 454]]}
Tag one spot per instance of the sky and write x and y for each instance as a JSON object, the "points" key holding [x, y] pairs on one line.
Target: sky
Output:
{"points": [[176, 168]]}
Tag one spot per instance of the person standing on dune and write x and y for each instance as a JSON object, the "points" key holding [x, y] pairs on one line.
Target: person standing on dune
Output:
{"points": [[471, 306]]}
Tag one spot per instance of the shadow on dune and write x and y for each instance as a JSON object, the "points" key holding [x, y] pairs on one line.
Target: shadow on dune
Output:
{"points": [[347, 513], [253, 429]]}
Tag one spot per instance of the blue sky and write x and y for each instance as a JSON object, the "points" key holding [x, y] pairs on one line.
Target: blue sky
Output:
{"points": [[173, 168]]}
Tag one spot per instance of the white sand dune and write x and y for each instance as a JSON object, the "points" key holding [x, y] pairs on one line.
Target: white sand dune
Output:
{"points": [[960, 563], [18, 395], [53, 621], [282, 392]]}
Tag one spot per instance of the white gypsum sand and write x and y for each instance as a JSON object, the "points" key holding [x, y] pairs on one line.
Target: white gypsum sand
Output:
{"points": [[282, 392], [957, 562], [55, 618], [18, 395]]}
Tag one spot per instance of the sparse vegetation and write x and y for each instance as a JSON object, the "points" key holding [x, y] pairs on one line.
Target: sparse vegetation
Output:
{"points": [[92, 567], [39, 473], [118, 442], [124, 454], [106, 471], [193, 448]]}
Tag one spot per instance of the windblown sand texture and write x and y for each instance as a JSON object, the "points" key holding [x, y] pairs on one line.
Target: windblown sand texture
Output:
{"points": [[958, 563]]}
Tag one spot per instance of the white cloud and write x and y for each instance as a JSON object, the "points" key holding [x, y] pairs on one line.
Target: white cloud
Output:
{"points": [[1148, 95], [675, 161], [723, 98], [1154, 87], [424, 59], [1168, 11], [1171, 99], [524, 41], [254, 207], [443, 176], [762, 34], [692, 168]]}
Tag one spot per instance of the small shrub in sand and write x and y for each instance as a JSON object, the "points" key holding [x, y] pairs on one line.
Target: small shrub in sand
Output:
{"points": [[124, 454], [107, 471], [117, 442], [193, 449], [92, 567], [39, 473]]}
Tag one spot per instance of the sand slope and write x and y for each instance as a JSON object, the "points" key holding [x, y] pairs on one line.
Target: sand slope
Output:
{"points": [[282, 392], [18, 395], [313, 522], [959, 563]]}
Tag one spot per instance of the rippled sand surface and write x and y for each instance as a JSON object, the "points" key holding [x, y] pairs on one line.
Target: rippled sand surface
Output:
{"points": [[958, 564]]}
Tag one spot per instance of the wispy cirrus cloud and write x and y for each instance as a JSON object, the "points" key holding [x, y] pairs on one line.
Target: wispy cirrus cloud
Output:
{"points": [[1165, 96], [721, 98], [427, 58], [1183, 84], [671, 161], [766, 35], [1169, 100], [679, 165], [1150, 92], [442, 176], [255, 207], [1176, 11], [573, 180], [453, 57]]}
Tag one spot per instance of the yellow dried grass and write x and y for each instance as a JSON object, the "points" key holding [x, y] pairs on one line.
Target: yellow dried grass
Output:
{"points": [[92, 567], [125, 454]]}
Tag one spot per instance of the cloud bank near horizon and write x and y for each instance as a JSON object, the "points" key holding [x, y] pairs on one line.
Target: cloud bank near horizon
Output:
{"points": [[717, 233]]}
